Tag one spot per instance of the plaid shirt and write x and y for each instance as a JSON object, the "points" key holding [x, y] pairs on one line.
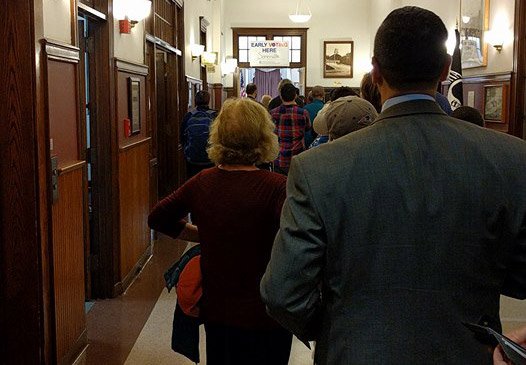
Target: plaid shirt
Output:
{"points": [[291, 123]]}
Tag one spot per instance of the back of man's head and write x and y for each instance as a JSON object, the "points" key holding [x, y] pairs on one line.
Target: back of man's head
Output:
{"points": [[410, 49], [318, 92], [288, 93], [469, 114], [342, 91], [282, 83], [251, 89], [202, 98]]}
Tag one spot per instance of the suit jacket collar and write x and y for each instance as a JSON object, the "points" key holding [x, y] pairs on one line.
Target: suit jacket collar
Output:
{"points": [[411, 108]]}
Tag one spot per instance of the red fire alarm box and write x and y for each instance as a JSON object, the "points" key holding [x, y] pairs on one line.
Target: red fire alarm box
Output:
{"points": [[125, 26], [127, 127]]}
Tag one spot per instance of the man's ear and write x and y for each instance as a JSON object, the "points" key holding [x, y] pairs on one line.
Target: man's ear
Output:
{"points": [[445, 70], [376, 75]]}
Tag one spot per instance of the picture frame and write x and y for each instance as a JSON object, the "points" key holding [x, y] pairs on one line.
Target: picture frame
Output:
{"points": [[338, 59], [495, 103], [474, 21], [134, 104]]}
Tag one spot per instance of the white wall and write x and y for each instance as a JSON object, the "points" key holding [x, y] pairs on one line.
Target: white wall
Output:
{"points": [[57, 20], [217, 39], [501, 11], [129, 47], [449, 10], [341, 20], [193, 9]]}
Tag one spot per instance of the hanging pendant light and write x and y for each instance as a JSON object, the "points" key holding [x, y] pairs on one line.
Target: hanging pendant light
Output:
{"points": [[298, 17]]}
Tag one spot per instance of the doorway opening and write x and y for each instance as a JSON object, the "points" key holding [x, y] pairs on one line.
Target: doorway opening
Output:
{"points": [[267, 80], [93, 91]]}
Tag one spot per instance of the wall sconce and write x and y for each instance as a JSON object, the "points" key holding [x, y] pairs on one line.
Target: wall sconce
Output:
{"points": [[500, 32], [130, 13], [209, 60], [228, 66], [495, 38], [196, 50]]}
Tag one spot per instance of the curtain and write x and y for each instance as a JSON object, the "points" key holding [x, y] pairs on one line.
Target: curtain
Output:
{"points": [[267, 82]]}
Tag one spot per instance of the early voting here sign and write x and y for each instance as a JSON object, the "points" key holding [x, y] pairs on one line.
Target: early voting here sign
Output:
{"points": [[269, 53]]}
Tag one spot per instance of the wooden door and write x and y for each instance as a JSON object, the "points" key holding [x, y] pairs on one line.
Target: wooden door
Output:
{"points": [[69, 208]]}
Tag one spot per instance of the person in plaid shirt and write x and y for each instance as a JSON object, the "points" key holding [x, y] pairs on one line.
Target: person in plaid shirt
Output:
{"points": [[291, 124]]}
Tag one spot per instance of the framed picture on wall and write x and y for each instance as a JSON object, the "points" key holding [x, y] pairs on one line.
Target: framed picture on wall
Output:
{"points": [[338, 59], [495, 103], [134, 104]]}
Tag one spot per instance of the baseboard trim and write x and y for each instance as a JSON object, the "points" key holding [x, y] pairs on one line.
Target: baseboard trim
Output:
{"points": [[77, 354], [121, 287]]}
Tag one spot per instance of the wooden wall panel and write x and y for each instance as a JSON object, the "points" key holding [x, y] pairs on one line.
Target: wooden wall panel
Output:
{"points": [[63, 111], [134, 177], [476, 85], [122, 105], [68, 260], [165, 20], [217, 95], [134, 171]]}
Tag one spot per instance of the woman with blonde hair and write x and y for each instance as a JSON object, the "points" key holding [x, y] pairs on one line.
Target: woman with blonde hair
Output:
{"points": [[265, 100], [236, 209]]}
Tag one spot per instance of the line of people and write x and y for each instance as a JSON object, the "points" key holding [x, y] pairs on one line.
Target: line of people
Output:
{"points": [[379, 245]]}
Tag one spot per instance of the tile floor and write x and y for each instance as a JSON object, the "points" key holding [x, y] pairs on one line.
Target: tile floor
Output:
{"points": [[153, 344], [135, 328]]}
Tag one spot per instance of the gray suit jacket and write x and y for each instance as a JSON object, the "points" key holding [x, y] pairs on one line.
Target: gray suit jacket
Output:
{"points": [[392, 236]]}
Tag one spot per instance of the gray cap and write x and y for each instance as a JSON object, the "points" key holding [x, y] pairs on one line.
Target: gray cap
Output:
{"points": [[345, 115]]}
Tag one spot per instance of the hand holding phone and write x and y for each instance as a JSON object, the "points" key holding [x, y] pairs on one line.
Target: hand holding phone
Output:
{"points": [[515, 353], [499, 356]]}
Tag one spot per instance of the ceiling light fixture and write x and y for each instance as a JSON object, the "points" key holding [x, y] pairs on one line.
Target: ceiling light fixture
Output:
{"points": [[298, 16]]}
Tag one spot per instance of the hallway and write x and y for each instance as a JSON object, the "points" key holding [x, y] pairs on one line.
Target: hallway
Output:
{"points": [[94, 93], [136, 328]]}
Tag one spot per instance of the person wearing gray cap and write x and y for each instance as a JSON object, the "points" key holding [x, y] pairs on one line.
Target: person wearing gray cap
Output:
{"points": [[346, 115]]}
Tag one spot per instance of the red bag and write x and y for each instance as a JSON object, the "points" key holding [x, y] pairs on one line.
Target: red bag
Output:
{"points": [[189, 290]]}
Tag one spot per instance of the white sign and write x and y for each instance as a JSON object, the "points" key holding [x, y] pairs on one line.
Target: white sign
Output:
{"points": [[269, 53]]}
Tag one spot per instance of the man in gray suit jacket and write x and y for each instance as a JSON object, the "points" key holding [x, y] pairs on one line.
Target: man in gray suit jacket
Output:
{"points": [[394, 235]]}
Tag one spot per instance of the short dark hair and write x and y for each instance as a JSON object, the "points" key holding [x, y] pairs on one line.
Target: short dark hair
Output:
{"points": [[251, 89], [288, 92], [369, 91], [202, 98], [410, 48], [468, 114], [318, 92], [342, 91]]}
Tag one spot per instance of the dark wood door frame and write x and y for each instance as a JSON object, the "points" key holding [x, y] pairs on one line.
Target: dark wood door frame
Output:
{"points": [[166, 152], [26, 315], [104, 258], [203, 24], [518, 81], [269, 33]]}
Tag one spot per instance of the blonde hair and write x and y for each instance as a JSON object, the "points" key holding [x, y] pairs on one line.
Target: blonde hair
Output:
{"points": [[265, 100], [242, 134]]}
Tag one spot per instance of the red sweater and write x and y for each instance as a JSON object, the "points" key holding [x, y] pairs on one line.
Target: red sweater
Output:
{"points": [[237, 214]]}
